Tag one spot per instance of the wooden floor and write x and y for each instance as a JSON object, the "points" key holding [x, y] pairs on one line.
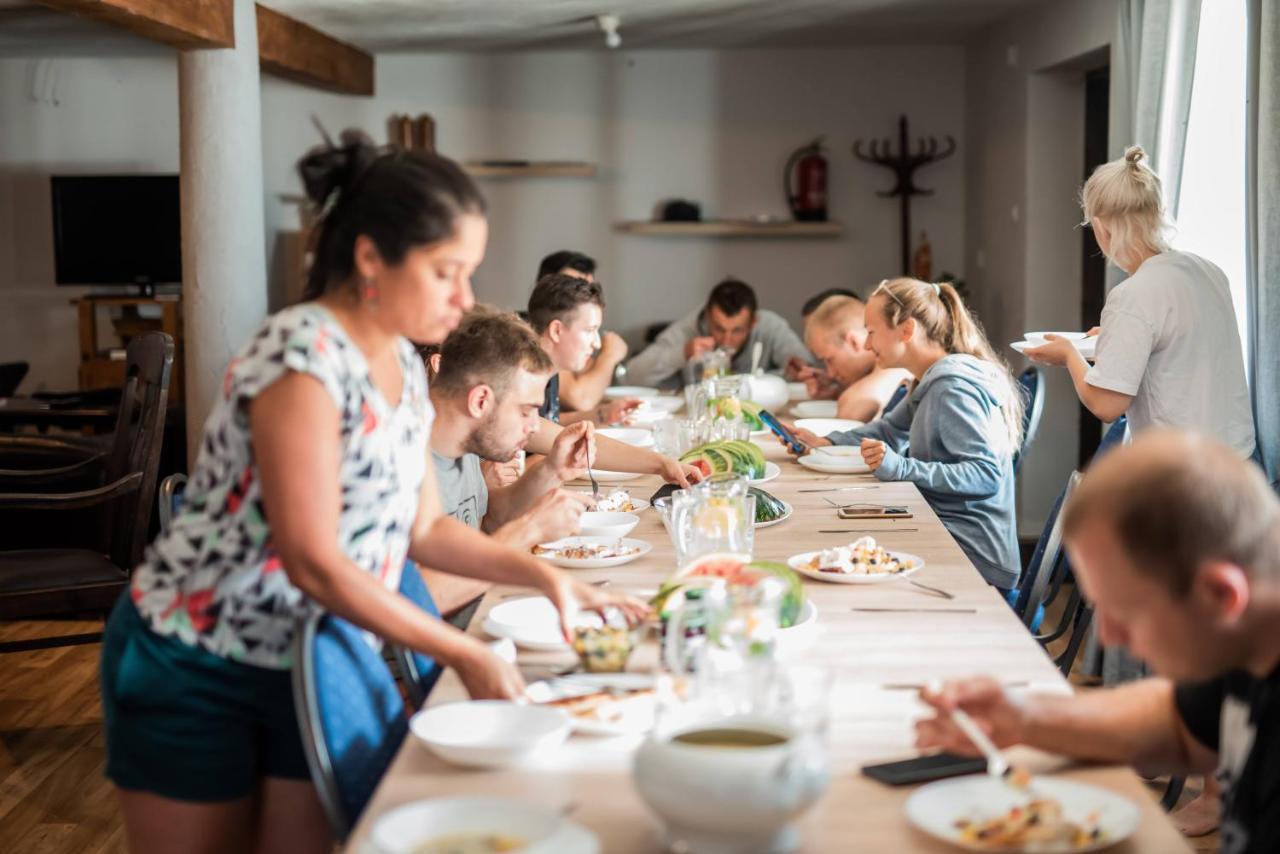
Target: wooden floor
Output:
{"points": [[53, 795]]}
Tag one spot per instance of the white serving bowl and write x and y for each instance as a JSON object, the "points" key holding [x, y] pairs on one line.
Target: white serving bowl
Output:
{"points": [[405, 829], [634, 436], [596, 523], [621, 392], [488, 733]]}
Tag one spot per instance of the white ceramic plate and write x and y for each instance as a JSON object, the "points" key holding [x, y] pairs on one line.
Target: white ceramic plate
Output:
{"points": [[1088, 347], [489, 733], [835, 463], [935, 808], [771, 471], [786, 514], [642, 548], [815, 409], [597, 523], [532, 622], [621, 392], [635, 436], [406, 828], [827, 426], [636, 716], [800, 564], [1036, 338]]}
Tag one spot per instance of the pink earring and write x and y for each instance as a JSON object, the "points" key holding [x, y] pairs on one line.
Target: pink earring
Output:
{"points": [[370, 291]]}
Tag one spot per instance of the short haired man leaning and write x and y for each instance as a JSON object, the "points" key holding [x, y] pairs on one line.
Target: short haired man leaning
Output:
{"points": [[731, 320], [1176, 541], [836, 333], [492, 372]]}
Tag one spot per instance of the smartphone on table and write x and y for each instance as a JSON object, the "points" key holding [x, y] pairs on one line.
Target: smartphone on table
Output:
{"points": [[922, 769], [873, 511]]}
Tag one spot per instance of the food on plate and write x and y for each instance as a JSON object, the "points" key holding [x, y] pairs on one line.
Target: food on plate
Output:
{"points": [[603, 649], [734, 409], [737, 572], [603, 706], [586, 551], [729, 455], [861, 557], [471, 843], [768, 508], [1039, 822], [618, 501]]}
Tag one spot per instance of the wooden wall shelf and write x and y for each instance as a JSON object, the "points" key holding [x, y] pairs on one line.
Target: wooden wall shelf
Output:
{"points": [[530, 169], [731, 228]]}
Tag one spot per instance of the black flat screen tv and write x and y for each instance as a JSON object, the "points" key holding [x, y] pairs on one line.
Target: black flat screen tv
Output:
{"points": [[116, 230]]}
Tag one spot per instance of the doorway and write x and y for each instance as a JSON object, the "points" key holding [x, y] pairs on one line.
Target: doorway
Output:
{"points": [[1093, 266]]}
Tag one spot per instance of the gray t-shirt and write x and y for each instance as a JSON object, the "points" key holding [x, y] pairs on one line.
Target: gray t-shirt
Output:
{"points": [[463, 492], [1169, 338]]}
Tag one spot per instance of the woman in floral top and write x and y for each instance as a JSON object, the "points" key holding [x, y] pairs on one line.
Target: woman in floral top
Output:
{"points": [[312, 485]]}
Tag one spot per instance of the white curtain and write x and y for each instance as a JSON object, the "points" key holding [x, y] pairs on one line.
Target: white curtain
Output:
{"points": [[1263, 226]]}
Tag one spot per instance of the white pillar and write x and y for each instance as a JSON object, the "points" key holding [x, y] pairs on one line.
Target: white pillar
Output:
{"points": [[224, 275]]}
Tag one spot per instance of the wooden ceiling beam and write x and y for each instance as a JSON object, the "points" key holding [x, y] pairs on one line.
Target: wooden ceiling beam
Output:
{"points": [[184, 24], [289, 48]]}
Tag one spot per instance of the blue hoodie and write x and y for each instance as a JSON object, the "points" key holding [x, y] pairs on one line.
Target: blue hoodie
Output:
{"points": [[940, 438]]}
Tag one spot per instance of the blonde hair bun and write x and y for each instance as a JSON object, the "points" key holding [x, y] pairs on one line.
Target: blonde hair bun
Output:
{"points": [[1134, 155]]}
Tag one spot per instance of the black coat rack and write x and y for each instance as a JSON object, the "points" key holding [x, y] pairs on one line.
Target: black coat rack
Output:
{"points": [[903, 165]]}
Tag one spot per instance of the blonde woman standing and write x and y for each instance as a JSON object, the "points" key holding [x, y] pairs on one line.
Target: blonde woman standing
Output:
{"points": [[1169, 351], [955, 435]]}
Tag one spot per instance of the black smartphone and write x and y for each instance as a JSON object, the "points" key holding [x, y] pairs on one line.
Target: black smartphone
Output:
{"points": [[767, 417], [922, 769]]}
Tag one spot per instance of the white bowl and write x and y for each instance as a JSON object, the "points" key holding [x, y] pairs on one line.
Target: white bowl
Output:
{"points": [[603, 524], [827, 426], [797, 391], [801, 635], [620, 392], [407, 828], [815, 409], [665, 405], [488, 733], [628, 435]]}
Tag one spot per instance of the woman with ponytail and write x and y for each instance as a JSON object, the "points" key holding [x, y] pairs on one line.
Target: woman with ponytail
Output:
{"points": [[955, 435], [312, 484], [1169, 351]]}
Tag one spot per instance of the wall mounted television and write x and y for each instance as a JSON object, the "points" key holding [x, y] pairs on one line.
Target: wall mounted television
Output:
{"points": [[117, 230]]}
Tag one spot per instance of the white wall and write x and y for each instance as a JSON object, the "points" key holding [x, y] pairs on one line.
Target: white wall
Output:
{"points": [[711, 126], [1024, 162], [67, 116], [714, 126]]}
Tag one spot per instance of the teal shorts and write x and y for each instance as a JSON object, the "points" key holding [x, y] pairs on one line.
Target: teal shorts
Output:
{"points": [[189, 725]]}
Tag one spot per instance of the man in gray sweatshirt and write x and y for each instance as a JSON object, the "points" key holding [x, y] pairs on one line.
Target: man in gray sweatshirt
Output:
{"points": [[731, 320]]}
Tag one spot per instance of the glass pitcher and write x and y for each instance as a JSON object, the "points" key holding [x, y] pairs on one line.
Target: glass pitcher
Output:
{"points": [[706, 520]]}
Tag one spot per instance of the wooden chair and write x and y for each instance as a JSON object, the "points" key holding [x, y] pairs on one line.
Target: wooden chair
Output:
{"points": [[55, 580]]}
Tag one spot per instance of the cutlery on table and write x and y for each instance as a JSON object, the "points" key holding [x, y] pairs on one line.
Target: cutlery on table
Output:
{"points": [[915, 610], [916, 686], [936, 591], [837, 489], [867, 530]]}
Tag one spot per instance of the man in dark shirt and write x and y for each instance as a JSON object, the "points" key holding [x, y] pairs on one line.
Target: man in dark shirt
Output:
{"points": [[1176, 541]]}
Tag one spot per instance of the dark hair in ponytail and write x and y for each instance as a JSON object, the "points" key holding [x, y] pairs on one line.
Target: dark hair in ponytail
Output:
{"points": [[398, 199]]}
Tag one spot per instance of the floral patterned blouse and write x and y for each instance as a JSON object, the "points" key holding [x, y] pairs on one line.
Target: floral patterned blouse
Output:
{"points": [[213, 580]]}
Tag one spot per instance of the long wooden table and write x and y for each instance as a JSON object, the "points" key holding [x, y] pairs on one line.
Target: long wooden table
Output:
{"points": [[867, 651]]}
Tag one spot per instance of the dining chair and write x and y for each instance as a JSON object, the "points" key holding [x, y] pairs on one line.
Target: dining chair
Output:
{"points": [[894, 399], [1045, 565], [1031, 384], [109, 495], [350, 714], [419, 672]]}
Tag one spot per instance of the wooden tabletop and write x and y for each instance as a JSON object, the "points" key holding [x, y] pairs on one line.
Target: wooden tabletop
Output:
{"points": [[867, 651]]}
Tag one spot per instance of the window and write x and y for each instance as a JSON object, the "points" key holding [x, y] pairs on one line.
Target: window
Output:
{"points": [[1211, 207]]}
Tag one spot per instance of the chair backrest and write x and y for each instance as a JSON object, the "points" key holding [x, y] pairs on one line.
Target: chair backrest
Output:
{"points": [[894, 399], [1044, 560], [11, 374], [1031, 383], [350, 713], [419, 671], [1113, 437], [137, 442], [172, 489]]}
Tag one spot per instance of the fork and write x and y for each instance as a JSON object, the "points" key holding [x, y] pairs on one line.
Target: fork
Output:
{"points": [[595, 487], [934, 590]]}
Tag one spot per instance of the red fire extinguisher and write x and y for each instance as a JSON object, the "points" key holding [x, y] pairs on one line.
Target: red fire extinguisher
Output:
{"points": [[807, 194]]}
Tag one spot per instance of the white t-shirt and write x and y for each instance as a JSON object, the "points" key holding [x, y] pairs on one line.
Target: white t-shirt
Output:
{"points": [[1169, 338]]}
